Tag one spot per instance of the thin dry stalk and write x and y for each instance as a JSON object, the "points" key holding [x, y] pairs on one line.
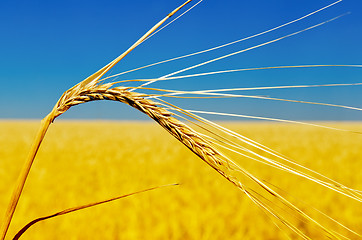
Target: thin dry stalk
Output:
{"points": [[74, 209]]}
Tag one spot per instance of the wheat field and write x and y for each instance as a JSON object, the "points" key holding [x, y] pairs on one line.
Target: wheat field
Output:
{"points": [[82, 162]]}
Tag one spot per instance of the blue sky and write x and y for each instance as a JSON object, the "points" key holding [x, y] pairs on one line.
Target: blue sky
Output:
{"points": [[47, 47]]}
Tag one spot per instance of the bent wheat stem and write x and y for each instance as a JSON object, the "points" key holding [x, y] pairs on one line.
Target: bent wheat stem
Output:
{"points": [[88, 82]]}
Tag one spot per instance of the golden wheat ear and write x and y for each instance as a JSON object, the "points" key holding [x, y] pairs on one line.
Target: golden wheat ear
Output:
{"points": [[74, 209], [58, 109]]}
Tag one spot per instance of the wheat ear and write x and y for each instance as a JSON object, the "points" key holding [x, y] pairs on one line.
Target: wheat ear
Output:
{"points": [[175, 127]]}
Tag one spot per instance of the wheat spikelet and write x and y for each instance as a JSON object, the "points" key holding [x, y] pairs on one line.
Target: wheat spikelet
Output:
{"points": [[176, 128]]}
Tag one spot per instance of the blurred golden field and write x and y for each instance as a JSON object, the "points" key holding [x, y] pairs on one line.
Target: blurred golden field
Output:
{"points": [[83, 162]]}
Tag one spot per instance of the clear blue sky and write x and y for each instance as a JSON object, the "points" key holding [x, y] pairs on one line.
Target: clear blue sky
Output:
{"points": [[47, 47]]}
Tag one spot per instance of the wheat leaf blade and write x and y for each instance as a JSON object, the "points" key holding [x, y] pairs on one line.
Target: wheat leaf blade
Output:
{"points": [[74, 209]]}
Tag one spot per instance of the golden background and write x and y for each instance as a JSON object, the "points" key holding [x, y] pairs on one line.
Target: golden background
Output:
{"points": [[83, 162]]}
